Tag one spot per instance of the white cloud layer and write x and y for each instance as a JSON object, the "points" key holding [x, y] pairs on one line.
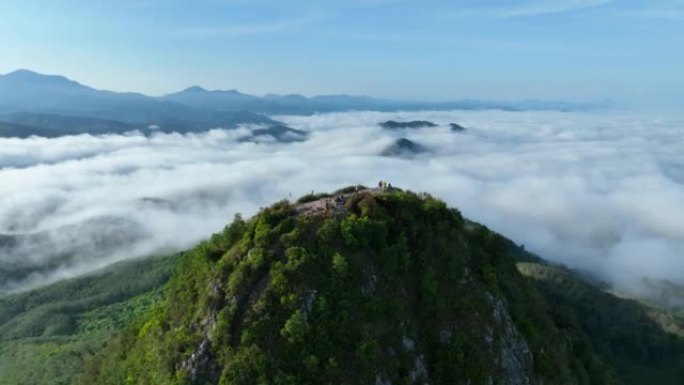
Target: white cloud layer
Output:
{"points": [[599, 191]]}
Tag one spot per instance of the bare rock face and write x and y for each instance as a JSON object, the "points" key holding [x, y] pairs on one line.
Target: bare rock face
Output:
{"points": [[515, 360]]}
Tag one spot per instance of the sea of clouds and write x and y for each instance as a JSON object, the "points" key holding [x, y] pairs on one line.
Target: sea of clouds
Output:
{"points": [[599, 191]]}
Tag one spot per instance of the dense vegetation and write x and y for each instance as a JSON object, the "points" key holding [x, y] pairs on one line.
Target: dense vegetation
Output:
{"points": [[46, 334], [644, 344], [397, 289], [392, 288]]}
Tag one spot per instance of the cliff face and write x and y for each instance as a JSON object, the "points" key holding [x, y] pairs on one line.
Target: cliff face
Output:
{"points": [[372, 287]]}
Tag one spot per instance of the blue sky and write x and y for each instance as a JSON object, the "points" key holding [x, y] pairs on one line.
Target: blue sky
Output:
{"points": [[631, 51]]}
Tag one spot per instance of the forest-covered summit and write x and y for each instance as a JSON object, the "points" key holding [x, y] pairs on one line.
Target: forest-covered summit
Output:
{"points": [[393, 287], [362, 285]]}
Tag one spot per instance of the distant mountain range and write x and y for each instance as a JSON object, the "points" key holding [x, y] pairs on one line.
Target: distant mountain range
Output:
{"points": [[47, 105], [51, 105], [299, 104]]}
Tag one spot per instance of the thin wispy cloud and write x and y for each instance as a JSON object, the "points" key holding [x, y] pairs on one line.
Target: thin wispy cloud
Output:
{"points": [[252, 29], [674, 13], [524, 9], [539, 8]]}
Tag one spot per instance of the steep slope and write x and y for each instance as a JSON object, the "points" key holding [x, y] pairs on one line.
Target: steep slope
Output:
{"points": [[356, 288], [665, 293], [455, 127], [27, 91], [46, 334], [645, 344]]}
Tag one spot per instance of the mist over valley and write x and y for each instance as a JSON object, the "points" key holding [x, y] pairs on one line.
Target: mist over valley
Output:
{"points": [[362, 192], [596, 191]]}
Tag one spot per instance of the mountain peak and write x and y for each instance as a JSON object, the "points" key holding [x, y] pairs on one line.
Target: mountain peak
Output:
{"points": [[24, 76], [28, 74], [359, 286], [202, 90], [195, 89], [23, 73], [232, 92]]}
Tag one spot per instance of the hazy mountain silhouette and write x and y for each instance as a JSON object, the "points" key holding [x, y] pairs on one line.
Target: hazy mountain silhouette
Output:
{"points": [[28, 91], [403, 148]]}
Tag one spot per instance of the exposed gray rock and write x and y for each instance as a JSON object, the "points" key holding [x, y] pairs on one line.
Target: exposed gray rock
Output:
{"points": [[409, 343], [419, 374], [515, 360], [445, 336], [381, 381]]}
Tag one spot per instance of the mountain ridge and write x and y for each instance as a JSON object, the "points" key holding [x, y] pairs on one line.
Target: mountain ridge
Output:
{"points": [[216, 99]]}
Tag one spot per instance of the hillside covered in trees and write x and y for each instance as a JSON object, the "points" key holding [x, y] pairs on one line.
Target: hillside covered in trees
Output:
{"points": [[369, 287], [355, 287], [46, 334]]}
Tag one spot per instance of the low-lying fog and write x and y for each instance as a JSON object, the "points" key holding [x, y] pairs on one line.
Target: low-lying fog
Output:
{"points": [[599, 191]]}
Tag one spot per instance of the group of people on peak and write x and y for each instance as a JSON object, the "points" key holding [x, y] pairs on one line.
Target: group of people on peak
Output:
{"points": [[384, 186], [331, 203]]}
